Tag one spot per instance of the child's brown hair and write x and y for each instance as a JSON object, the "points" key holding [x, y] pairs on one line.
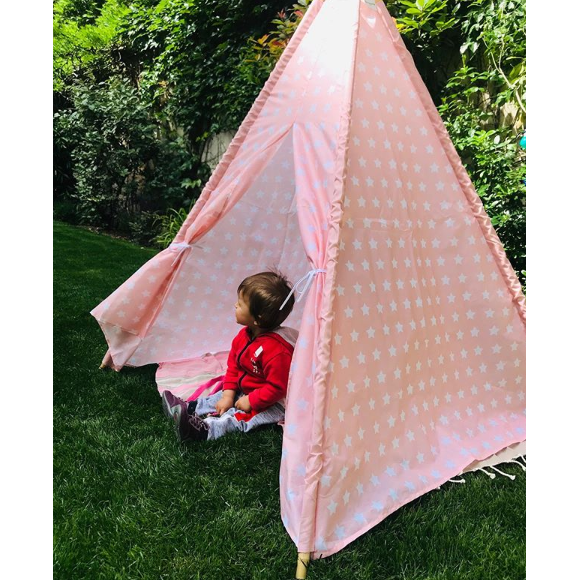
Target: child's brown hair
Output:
{"points": [[265, 292]]}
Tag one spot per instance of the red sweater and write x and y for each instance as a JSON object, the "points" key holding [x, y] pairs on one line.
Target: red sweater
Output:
{"points": [[260, 366]]}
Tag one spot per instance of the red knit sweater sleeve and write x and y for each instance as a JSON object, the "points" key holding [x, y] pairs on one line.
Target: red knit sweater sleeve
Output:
{"points": [[276, 372]]}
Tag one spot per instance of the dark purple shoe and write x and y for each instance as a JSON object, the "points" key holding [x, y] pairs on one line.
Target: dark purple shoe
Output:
{"points": [[170, 403], [189, 427]]}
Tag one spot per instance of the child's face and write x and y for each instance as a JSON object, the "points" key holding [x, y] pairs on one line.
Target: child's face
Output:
{"points": [[243, 315]]}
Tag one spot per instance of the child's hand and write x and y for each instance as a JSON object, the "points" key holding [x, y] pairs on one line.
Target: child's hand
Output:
{"points": [[243, 404], [224, 404]]}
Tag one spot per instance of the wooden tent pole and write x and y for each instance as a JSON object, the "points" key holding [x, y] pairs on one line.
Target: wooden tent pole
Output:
{"points": [[302, 566]]}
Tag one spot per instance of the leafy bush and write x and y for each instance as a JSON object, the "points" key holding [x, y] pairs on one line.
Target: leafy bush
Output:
{"points": [[170, 224], [122, 164], [483, 106], [144, 227]]}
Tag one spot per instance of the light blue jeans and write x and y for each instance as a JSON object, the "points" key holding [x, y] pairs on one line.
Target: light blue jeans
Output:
{"points": [[227, 423]]}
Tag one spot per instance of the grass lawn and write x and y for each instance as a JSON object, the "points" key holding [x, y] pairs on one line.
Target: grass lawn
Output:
{"points": [[129, 503]]}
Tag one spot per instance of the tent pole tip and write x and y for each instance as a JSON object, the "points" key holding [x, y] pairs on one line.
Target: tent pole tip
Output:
{"points": [[302, 566]]}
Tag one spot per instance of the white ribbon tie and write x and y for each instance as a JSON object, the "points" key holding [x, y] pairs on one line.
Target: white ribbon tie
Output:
{"points": [[307, 279]]}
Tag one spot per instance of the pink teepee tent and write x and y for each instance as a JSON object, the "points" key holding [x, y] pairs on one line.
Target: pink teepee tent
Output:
{"points": [[409, 368]]}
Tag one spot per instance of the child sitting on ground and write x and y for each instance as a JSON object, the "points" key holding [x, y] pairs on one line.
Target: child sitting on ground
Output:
{"points": [[256, 379]]}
